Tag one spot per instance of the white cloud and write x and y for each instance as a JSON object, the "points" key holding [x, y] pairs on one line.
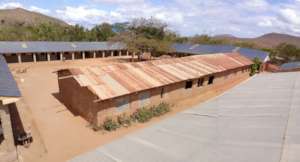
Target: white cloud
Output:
{"points": [[40, 10], [242, 18], [290, 15], [81, 14], [11, 5]]}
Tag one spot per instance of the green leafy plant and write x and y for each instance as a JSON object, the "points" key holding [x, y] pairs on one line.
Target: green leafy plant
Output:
{"points": [[160, 109], [256, 66], [142, 115], [110, 125]]}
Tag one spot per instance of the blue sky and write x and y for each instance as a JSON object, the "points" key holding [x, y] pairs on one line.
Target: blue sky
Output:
{"points": [[244, 18]]}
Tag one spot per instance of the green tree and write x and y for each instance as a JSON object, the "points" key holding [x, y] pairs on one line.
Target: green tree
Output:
{"points": [[285, 53], [256, 66], [77, 33], [245, 44], [205, 39], [146, 35], [102, 32]]}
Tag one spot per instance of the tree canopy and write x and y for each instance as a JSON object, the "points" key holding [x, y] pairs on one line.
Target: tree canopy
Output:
{"points": [[146, 35]]}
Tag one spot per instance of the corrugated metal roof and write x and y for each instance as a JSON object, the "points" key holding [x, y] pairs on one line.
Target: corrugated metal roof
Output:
{"points": [[211, 49], [291, 65], [8, 86], [41, 46], [121, 79]]}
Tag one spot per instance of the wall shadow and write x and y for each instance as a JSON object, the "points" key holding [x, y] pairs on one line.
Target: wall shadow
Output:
{"points": [[59, 98]]}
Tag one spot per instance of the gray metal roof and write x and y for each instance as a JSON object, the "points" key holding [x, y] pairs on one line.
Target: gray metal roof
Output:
{"points": [[291, 65], [257, 121], [43, 46], [197, 49], [8, 86]]}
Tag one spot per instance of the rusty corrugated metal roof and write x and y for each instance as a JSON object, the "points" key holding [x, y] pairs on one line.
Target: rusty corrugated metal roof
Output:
{"points": [[125, 78]]}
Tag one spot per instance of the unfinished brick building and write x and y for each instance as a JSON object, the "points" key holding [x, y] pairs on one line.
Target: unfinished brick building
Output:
{"points": [[98, 92]]}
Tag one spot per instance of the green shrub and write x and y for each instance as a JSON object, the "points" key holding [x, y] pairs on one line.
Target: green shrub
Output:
{"points": [[256, 66], [110, 125], [160, 109], [142, 115], [124, 120]]}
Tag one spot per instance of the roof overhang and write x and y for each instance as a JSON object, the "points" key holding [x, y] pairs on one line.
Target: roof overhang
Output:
{"points": [[8, 100]]}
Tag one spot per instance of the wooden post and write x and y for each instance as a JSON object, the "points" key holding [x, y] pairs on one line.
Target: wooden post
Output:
{"points": [[112, 53], [83, 55], [19, 58], [120, 53], [61, 56], [94, 56], [48, 57], [103, 54], [127, 53], [34, 57], [73, 56]]}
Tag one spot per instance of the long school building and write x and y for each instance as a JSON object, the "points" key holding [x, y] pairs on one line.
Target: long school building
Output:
{"points": [[20, 52], [96, 93]]}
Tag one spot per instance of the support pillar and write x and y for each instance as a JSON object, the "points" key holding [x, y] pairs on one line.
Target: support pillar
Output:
{"points": [[127, 53], [94, 55], [112, 53], [83, 55], [61, 56], [48, 57], [103, 54], [19, 58], [34, 57], [7, 128], [73, 56], [120, 53]]}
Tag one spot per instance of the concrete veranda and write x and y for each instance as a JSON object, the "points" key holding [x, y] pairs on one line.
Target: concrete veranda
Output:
{"points": [[255, 121]]}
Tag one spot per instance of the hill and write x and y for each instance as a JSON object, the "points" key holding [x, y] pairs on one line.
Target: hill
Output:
{"points": [[265, 41], [22, 17]]}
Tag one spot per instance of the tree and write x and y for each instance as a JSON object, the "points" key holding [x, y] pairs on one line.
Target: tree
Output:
{"points": [[286, 53], [77, 33], [146, 35], [102, 32], [120, 27], [245, 44], [205, 39]]}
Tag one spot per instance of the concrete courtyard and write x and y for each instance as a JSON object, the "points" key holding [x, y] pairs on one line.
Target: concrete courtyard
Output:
{"points": [[253, 122]]}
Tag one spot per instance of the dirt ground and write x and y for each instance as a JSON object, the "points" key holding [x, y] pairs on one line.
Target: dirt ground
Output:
{"points": [[58, 135]]}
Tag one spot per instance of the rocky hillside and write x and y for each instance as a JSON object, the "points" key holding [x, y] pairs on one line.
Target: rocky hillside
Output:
{"points": [[266, 41], [22, 17]]}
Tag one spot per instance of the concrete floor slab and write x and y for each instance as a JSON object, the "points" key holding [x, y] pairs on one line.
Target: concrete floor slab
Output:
{"points": [[255, 121]]}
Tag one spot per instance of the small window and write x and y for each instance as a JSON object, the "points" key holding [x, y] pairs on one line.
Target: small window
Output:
{"points": [[200, 82], [162, 92], [211, 79], [122, 104], [188, 84]]}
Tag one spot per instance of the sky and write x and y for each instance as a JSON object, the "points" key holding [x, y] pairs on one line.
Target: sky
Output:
{"points": [[242, 18]]}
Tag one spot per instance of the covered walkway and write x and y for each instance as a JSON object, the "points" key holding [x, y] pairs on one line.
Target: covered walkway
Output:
{"points": [[258, 121]]}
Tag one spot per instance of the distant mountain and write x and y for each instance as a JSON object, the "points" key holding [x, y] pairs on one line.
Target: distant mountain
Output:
{"points": [[22, 17], [265, 41]]}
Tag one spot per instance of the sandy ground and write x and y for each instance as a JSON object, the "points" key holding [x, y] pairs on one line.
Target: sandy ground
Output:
{"points": [[58, 135]]}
